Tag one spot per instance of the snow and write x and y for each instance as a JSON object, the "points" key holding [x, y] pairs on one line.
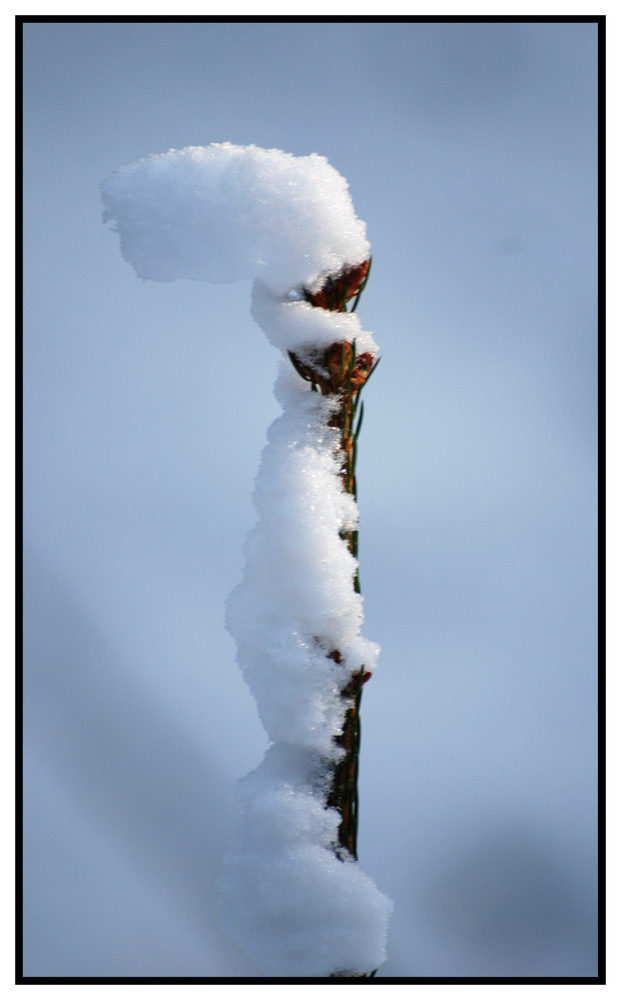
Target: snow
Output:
{"points": [[287, 899], [222, 212], [296, 603], [297, 909], [291, 325], [294, 900]]}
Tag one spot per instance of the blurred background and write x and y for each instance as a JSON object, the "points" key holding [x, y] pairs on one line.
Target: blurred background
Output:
{"points": [[470, 150]]}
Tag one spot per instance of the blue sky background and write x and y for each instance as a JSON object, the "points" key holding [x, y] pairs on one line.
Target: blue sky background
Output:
{"points": [[470, 150]]}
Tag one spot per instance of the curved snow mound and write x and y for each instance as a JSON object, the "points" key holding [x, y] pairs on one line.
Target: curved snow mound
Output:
{"points": [[286, 898], [223, 212]]}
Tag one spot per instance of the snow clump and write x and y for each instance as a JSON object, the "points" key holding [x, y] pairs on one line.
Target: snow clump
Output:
{"points": [[289, 898], [222, 212]]}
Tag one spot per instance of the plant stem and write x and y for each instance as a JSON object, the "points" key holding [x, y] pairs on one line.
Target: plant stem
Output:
{"points": [[340, 371]]}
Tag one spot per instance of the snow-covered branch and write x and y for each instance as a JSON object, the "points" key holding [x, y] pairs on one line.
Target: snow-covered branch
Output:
{"points": [[293, 893]]}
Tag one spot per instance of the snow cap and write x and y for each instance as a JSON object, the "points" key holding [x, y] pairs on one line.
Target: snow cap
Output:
{"points": [[223, 212]]}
